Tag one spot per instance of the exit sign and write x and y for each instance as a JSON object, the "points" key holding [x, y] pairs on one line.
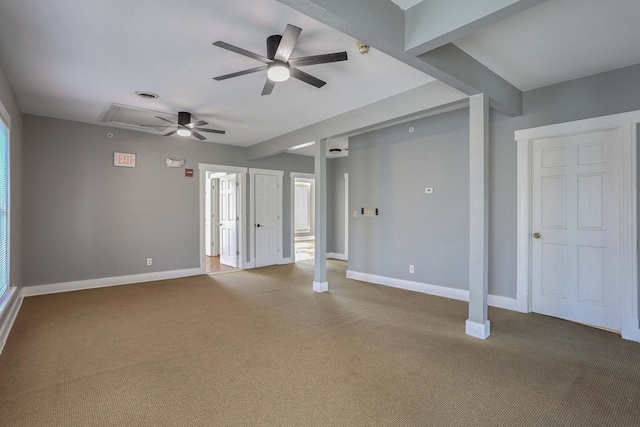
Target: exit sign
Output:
{"points": [[125, 160]]}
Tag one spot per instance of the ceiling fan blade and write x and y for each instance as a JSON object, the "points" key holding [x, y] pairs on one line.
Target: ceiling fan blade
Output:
{"points": [[173, 132], [168, 121], [197, 135], [307, 78], [287, 43], [318, 59], [221, 132], [241, 73], [193, 125], [268, 87], [243, 52]]}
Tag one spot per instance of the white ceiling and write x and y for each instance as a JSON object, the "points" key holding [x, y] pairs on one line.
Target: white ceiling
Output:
{"points": [[69, 59], [559, 40]]}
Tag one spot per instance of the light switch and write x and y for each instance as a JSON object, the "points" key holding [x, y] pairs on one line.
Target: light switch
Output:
{"points": [[355, 214], [428, 190]]}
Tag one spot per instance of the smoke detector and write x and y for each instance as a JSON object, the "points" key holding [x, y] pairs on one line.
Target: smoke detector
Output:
{"points": [[362, 47]]}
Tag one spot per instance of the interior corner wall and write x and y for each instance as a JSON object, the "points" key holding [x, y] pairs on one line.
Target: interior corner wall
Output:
{"points": [[10, 103], [336, 168], [389, 170], [85, 219]]}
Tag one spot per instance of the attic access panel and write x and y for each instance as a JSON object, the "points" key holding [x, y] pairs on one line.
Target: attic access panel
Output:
{"points": [[138, 118]]}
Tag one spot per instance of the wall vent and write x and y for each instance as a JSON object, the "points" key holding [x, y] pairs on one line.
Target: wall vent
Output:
{"points": [[136, 118]]}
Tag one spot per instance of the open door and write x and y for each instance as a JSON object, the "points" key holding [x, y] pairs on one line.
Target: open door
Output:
{"points": [[228, 221]]}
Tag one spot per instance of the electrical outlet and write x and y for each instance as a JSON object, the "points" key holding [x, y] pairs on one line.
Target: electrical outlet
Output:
{"points": [[411, 269], [149, 261]]}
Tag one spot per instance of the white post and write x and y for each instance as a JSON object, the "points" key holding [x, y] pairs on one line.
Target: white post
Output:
{"points": [[320, 283], [477, 325]]}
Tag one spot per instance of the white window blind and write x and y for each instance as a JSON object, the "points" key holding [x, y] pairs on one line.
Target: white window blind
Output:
{"points": [[4, 207]]}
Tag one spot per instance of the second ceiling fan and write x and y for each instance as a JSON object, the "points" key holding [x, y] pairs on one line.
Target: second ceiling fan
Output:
{"points": [[277, 63]]}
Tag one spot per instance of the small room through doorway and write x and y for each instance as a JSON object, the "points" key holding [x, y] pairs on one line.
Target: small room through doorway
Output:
{"points": [[304, 218], [221, 222]]}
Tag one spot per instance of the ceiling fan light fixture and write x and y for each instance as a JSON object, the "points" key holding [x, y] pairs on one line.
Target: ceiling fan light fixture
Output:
{"points": [[184, 132], [278, 72]]}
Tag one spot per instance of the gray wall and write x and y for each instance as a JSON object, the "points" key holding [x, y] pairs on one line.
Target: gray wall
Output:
{"points": [[86, 219], [336, 168], [390, 168], [9, 102]]}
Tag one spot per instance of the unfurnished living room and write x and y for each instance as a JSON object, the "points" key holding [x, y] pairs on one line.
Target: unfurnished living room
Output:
{"points": [[319, 213]]}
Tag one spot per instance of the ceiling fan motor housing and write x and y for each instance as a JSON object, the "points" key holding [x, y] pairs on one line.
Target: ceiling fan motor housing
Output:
{"points": [[272, 45], [184, 118]]}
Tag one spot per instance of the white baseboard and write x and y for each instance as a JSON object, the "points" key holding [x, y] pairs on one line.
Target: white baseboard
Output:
{"points": [[334, 255], [320, 286], [287, 260], [108, 281], [630, 330], [9, 315], [478, 330], [441, 291]]}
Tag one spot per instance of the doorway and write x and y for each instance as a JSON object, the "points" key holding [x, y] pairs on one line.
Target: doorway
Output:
{"points": [[303, 214], [222, 218], [577, 221]]}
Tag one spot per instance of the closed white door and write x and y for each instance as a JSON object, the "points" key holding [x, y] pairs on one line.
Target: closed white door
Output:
{"points": [[267, 241], [575, 271], [228, 220]]}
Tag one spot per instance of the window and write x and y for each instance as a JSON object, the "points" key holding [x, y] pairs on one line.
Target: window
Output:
{"points": [[4, 207], [303, 207]]}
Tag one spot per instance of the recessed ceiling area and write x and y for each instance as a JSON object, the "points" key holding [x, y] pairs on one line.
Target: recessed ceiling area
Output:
{"points": [[72, 60], [559, 40]]}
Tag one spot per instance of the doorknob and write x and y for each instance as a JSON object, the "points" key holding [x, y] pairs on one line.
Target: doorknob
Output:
{"points": [[258, 225], [537, 235]]}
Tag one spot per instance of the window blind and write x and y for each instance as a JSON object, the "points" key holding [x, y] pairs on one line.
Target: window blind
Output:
{"points": [[4, 207]]}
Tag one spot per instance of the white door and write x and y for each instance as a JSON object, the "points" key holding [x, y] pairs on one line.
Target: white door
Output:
{"points": [[267, 221], [575, 219], [228, 239], [211, 218]]}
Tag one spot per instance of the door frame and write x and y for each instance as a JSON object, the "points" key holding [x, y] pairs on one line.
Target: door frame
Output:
{"points": [[213, 230], [627, 124], [241, 174], [252, 208], [293, 176]]}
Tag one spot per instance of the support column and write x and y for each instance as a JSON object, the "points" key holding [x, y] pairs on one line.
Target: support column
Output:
{"points": [[477, 325], [320, 283]]}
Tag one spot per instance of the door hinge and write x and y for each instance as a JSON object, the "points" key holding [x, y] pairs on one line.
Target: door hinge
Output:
{"points": [[237, 184], [237, 218], [238, 253]]}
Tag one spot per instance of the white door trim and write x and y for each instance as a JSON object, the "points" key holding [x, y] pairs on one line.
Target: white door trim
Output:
{"points": [[252, 208], [293, 176], [241, 230], [627, 124]]}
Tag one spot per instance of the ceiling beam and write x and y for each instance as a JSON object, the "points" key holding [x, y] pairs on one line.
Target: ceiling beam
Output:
{"points": [[381, 24], [434, 23], [414, 103]]}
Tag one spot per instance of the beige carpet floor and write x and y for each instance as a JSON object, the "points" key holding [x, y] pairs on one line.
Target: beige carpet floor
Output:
{"points": [[260, 348]]}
